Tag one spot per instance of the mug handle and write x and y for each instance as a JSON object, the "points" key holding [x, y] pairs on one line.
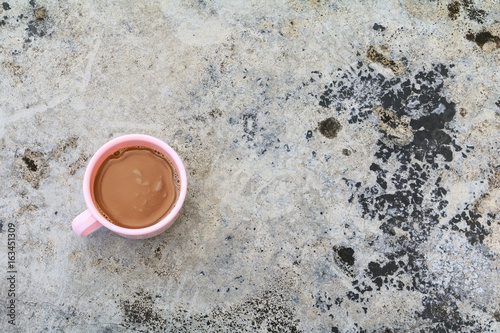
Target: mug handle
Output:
{"points": [[85, 224]]}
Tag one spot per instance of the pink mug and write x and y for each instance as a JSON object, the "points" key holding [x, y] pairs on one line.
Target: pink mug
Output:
{"points": [[91, 219]]}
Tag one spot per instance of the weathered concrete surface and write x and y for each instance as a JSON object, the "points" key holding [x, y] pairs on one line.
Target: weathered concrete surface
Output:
{"points": [[342, 158]]}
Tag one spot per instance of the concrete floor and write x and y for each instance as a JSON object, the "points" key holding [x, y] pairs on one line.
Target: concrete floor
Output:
{"points": [[343, 164]]}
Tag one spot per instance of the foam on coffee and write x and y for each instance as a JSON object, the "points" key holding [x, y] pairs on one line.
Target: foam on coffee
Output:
{"points": [[135, 187]]}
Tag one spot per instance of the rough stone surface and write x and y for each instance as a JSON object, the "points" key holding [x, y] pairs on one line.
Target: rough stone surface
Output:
{"points": [[342, 156]]}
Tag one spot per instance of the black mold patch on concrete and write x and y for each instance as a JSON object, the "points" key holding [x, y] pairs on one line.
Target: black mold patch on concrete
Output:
{"points": [[329, 127], [420, 98], [408, 198], [323, 302], [378, 27], [346, 254], [442, 310], [474, 230], [5, 6], [309, 135], [473, 13], [377, 270]]}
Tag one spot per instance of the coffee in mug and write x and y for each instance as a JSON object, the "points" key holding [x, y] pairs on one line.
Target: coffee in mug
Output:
{"points": [[135, 187]]}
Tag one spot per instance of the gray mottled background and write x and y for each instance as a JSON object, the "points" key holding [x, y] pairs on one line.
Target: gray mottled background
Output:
{"points": [[342, 156]]}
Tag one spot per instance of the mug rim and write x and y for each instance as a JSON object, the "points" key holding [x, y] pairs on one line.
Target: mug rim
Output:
{"points": [[135, 139]]}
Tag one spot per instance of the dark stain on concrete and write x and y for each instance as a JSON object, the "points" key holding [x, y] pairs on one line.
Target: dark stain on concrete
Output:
{"points": [[374, 55], [215, 113], [389, 118], [378, 27], [30, 163], [454, 9], [250, 125], [443, 311], [5, 6], [256, 134], [32, 30], [78, 164], [269, 311], [482, 38], [141, 309], [33, 167], [396, 130], [473, 13], [39, 23], [470, 10], [41, 13], [329, 127]]}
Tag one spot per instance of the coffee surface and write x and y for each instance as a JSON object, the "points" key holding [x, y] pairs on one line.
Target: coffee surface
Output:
{"points": [[135, 187]]}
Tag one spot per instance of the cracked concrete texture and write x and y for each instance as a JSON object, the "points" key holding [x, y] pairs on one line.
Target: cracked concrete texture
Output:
{"points": [[342, 162]]}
